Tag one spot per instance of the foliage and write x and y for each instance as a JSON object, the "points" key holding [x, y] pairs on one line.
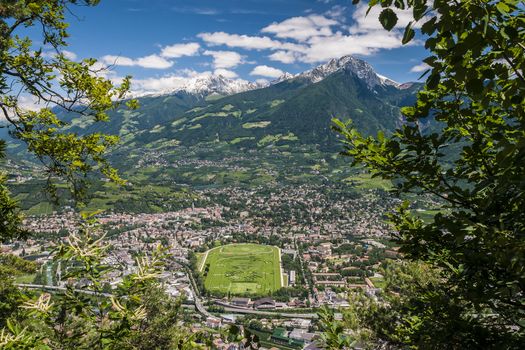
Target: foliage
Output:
{"points": [[16, 265], [414, 310], [474, 164], [11, 297], [58, 85], [89, 314], [333, 331], [10, 218], [86, 317]]}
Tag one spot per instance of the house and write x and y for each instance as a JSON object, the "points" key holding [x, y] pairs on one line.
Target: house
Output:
{"points": [[241, 302], [369, 283], [280, 305], [292, 278], [282, 336], [325, 248], [301, 335], [213, 322], [331, 283], [313, 346], [264, 303]]}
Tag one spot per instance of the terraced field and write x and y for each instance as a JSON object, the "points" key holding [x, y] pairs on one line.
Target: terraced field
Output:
{"points": [[242, 269]]}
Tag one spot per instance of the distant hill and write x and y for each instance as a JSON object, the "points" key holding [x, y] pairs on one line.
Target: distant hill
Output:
{"points": [[291, 110], [296, 110]]}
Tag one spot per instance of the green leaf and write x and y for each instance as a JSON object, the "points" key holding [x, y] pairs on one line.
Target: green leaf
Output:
{"points": [[409, 34], [429, 26], [503, 8], [419, 11], [433, 81], [400, 4], [475, 86], [388, 19]]}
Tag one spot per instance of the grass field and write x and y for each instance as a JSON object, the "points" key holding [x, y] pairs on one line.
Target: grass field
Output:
{"points": [[242, 269]]}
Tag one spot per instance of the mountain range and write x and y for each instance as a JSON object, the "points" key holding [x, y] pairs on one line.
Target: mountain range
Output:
{"points": [[292, 110]]}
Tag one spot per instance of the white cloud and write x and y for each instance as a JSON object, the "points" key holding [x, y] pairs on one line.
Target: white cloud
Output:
{"points": [[337, 12], [226, 73], [248, 42], [69, 55], [283, 56], [117, 60], [322, 49], [235, 40], [29, 103], [266, 71], [151, 61], [302, 28], [365, 37], [224, 59], [205, 11], [316, 38], [179, 50], [154, 61], [419, 68]]}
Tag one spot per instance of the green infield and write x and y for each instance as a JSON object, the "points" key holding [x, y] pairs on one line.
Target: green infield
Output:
{"points": [[242, 269]]}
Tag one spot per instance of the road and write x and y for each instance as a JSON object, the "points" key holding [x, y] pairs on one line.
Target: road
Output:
{"points": [[268, 313], [203, 262], [311, 298], [281, 268], [196, 298]]}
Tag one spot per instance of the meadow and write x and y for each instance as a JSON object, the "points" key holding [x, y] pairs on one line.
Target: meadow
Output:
{"points": [[241, 269]]}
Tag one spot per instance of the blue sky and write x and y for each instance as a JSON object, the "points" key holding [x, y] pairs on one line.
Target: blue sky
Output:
{"points": [[160, 42]]}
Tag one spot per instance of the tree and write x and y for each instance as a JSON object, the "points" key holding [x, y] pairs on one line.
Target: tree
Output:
{"points": [[413, 310], [59, 86], [472, 160], [333, 331], [10, 296], [135, 315], [66, 89]]}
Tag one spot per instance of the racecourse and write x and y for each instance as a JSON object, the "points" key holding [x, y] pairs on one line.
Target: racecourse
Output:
{"points": [[242, 269]]}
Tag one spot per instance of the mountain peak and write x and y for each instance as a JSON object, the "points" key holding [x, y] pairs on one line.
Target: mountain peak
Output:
{"points": [[362, 69], [285, 76], [217, 84], [207, 84]]}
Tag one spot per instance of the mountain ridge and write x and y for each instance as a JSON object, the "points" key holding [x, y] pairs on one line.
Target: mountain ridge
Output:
{"points": [[206, 85]]}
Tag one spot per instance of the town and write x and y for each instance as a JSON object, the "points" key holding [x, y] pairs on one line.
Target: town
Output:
{"points": [[331, 241]]}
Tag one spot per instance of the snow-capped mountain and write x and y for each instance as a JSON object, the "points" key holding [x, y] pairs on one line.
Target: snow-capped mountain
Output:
{"points": [[285, 76], [207, 84], [217, 84], [362, 69]]}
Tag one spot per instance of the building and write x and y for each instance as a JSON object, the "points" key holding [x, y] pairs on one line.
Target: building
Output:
{"points": [[325, 248], [241, 302], [331, 283], [213, 322], [291, 277], [264, 303], [282, 336], [301, 335]]}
